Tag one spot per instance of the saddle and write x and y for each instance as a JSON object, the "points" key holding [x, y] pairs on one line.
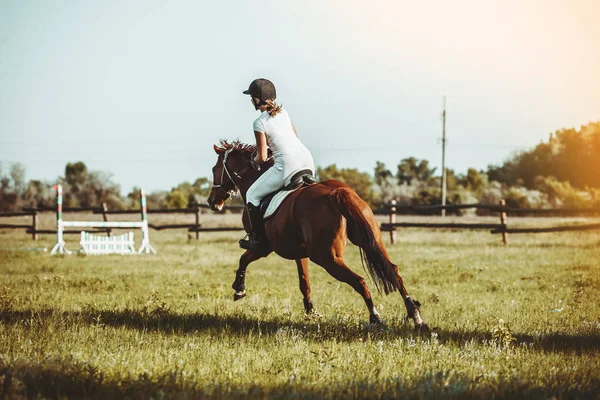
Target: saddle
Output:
{"points": [[300, 179]]}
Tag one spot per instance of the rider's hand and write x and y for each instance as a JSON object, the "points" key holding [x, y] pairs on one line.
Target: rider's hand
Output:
{"points": [[254, 164]]}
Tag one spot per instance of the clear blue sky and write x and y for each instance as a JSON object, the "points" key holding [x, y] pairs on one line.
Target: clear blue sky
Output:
{"points": [[142, 89]]}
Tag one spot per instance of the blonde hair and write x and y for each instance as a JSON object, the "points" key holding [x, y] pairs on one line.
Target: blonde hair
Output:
{"points": [[273, 108]]}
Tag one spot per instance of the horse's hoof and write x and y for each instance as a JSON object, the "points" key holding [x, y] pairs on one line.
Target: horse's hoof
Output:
{"points": [[238, 287], [239, 295], [375, 319], [308, 307], [423, 328]]}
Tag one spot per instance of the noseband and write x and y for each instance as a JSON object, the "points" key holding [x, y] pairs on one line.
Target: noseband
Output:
{"points": [[233, 192]]}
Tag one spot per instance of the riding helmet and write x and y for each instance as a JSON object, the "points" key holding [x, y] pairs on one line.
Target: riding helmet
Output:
{"points": [[262, 89]]}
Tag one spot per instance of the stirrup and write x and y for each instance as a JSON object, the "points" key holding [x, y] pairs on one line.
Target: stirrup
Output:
{"points": [[253, 244]]}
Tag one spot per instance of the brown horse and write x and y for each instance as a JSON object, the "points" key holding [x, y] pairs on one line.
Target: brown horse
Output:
{"points": [[314, 222]]}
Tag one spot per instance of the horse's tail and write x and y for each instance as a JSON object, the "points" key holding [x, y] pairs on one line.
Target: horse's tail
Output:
{"points": [[361, 233]]}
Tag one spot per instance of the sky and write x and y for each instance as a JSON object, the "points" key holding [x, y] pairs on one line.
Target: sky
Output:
{"points": [[142, 89]]}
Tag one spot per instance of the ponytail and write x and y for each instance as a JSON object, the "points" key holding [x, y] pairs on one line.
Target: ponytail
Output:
{"points": [[272, 108]]}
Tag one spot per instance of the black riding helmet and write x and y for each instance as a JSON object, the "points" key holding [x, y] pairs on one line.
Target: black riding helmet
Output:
{"points": [[262, 89]]}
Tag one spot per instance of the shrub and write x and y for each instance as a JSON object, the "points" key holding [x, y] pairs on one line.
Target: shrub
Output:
{"points": [[389, 189], [562, 194], [521, 197]]}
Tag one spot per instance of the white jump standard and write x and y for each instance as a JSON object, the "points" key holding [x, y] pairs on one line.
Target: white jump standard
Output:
{"points": [[60, 248]]}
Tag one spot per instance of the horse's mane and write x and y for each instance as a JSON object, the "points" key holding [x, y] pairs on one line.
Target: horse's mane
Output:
{"points": [[236, 145]]}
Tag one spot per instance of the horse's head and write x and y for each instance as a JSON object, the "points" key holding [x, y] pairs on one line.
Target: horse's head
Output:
{"points": [[230, 172]]}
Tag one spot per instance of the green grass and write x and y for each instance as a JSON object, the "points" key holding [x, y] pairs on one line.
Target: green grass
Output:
{"points": [[521, 321]]}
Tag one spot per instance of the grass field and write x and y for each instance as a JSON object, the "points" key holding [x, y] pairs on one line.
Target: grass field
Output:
{"points": [[515, 322]]}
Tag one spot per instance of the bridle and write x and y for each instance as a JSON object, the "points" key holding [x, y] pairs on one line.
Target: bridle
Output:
{"points": [[233, 192]]}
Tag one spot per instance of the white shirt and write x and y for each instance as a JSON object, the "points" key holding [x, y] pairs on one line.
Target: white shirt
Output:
{"points": [[281, 138], [289, 153]]}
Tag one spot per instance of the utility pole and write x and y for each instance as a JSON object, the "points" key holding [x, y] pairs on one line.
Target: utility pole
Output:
{"points": [[444, 158]]}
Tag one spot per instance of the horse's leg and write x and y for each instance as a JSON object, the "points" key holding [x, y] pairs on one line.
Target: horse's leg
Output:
{"points": [[412, 306], [239, 285], [302, 265], [335, 266]]}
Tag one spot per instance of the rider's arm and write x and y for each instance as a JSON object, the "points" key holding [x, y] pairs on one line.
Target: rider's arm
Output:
{"points": [[261, 147]]}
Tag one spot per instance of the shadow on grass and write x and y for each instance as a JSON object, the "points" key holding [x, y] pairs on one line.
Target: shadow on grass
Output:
{"points": [[65, 379], [553, 342], [312, 328]]}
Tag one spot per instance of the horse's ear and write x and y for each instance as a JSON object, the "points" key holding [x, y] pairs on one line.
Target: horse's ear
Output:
{"points": [[218, 149]]}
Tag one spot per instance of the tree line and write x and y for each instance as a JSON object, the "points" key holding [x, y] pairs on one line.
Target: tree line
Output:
{"points": [[564, 171]]}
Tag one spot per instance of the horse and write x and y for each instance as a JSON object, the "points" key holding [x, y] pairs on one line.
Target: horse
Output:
{"points": [[313, 223]]}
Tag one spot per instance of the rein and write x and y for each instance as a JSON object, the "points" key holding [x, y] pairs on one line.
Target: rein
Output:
{"points": [[234, 192]]}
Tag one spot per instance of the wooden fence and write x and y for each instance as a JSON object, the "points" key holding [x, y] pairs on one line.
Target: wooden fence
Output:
{"points": [[32, 226], [501, 227], [193, 208], [391, 209]]}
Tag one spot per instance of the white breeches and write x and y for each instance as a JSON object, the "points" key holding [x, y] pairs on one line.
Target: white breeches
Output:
{"points": [[275, 177]]}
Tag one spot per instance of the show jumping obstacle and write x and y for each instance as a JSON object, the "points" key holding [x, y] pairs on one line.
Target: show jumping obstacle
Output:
{"points": [[93, 243]]}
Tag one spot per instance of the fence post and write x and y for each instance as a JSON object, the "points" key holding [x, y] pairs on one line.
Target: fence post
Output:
{"points": [[197, 221], [34, 225], [503, 221], [104, 211], [393, 233]]}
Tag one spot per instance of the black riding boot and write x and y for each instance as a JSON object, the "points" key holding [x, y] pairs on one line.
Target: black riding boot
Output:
{"points": [[258, 240]]}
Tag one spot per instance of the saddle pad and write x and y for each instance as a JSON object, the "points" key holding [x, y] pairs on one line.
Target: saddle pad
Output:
{"points": [[276, 202]]}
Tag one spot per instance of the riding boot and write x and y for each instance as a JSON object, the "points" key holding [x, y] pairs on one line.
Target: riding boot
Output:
{"points": [[258, 239]]}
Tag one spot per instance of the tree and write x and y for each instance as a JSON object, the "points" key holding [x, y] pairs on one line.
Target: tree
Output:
{"points": [[177, 199], [475, 181], [133, 198], [201, 186], [75, 173], [155, 199], [12, 187], [504, 173], [17, 174], [570, 155], [411, 168], [38, 194], [89, 189], [8, 197], [359, 181], [381, 173], [103, 190], [196, 192]]}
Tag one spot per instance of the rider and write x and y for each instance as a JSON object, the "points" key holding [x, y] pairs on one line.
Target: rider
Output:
{"points": [[273, 128]]}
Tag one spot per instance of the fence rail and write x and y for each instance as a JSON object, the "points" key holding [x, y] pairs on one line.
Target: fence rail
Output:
{"points": [[389, 226], [216, 229], [16, 226], [17, 214], [390, 209], [564, 228], [431, 209], [192, 208]]}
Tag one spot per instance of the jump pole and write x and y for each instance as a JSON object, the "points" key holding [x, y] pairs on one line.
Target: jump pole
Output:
{"points": [[60, 242], [60, 248], [146, 247]]}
